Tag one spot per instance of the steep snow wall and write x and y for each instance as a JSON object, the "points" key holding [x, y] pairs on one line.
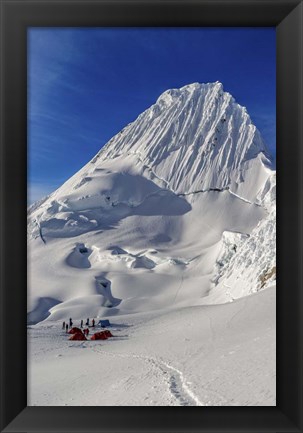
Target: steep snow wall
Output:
{"points": [[195, 138]]}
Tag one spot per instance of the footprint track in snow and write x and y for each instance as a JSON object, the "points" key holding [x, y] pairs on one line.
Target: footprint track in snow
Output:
{"points": [[176, 382]]}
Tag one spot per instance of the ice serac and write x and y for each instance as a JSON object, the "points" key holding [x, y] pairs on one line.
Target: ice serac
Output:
{"points": [[196, 138], [177, 208], [247, 264]]}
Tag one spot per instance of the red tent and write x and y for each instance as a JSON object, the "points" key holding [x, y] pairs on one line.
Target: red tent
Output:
{"points": [[108, 333], [100, 336], [75, 331], [79, 336]]}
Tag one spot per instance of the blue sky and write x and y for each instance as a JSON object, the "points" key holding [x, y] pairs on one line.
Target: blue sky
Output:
{"points": [[85, 85]]}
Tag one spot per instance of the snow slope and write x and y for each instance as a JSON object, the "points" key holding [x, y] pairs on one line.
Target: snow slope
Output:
{"points": [[220, 355], [174, 215]]}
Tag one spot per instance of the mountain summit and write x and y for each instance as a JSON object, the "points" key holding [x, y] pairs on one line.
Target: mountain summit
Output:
{"points": [[145, 223], [194, 138]]}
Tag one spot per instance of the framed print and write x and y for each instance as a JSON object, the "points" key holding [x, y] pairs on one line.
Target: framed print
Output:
{"points": [[138, 216]]}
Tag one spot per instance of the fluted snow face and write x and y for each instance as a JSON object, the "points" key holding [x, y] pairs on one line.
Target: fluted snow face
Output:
{"points": [[195, 138]]}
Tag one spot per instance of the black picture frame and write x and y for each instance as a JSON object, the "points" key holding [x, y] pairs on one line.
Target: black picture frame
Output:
{"points": [[16, 17]]}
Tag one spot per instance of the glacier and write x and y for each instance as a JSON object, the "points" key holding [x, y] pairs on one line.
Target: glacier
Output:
{"points": [[175, 215]]}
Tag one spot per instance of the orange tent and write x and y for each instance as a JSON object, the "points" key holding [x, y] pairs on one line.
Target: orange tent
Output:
{"points": [[77, 336], [75, 331], [100, 336]]}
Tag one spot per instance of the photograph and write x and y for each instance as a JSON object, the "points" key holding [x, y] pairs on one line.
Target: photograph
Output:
{"points": [[151, 216]]}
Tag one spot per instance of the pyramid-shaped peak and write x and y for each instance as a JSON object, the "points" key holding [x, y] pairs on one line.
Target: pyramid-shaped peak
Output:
{"points": [[195, 137]]}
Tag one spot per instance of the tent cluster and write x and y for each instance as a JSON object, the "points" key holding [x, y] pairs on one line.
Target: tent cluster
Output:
{"points": [[78, 334]]}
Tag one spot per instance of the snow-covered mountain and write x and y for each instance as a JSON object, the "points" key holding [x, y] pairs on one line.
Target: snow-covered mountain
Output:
{"points": [[178, 209]]}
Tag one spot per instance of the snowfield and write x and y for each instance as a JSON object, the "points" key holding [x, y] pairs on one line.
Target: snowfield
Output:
{"points": [[169, 232], [198, 356]]}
